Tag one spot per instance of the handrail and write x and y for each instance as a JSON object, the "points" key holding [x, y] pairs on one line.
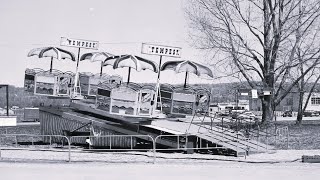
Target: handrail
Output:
{"points": [[152, 139], [224, 135], [192, 148], [115, 135], [185, 144], [38, 135]]}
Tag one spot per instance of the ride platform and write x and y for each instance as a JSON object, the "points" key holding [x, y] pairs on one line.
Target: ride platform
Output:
{"points": [[215, 139]]}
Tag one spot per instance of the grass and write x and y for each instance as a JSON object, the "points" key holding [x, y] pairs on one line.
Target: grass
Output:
{"points": [[300, 137], [305, 136], [31, 129]]}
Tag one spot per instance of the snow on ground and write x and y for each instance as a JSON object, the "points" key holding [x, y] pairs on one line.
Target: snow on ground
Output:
{"points": [[15, 165], [56, 155], [36, 164], [52, 164], [101, 171]]}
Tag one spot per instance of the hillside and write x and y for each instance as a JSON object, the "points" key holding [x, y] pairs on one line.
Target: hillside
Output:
{"points": [[19, 97]]}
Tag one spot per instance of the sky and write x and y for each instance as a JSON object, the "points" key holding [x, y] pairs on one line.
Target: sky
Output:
{"points": [[120, 26]]}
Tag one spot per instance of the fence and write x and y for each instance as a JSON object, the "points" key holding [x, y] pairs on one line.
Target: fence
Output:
{"points": [[26, 114], [276, 113], [182, 143], [91, 139], [66, 142], [282, 135], [15, 136], [278, 137]]}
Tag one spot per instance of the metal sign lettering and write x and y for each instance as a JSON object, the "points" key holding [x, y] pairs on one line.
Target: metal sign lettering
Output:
{"points": [[161, 50], [79, 43]]}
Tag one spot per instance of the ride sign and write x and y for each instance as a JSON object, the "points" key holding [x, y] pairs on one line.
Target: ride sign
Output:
{"points": [[79, 43], [161, 50]]}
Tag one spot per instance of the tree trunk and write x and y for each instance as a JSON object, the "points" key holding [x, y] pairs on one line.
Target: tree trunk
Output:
{"points": [[300, 110], [301, 93], [267, 109], [301, 88]]}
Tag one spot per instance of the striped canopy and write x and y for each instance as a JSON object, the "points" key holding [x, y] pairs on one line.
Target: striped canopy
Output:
{"points": [[132, 61], [53, 52], [187, 66], [96, 56]]}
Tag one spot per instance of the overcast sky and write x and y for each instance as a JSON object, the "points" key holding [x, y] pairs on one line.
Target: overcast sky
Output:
{"points": [[120, 26]]}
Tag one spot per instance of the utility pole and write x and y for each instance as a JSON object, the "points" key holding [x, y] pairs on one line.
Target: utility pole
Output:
{"points": [[7, 96]]}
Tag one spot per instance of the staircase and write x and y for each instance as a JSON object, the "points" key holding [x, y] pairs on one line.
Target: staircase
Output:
{"points": [[226, 137]]}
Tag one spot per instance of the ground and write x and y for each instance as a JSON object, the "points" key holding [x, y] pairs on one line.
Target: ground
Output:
{"points": [[275, 164], [176, 171], [34, 165]]}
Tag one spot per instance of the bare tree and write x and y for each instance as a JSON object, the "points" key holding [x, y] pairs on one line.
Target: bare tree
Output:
{"points": [[306, 88], [256, 40]]}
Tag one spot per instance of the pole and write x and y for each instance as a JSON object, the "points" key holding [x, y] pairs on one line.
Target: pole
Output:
{"points": [[7, 89], [236, 112], [157, 90], [101, 68], [237, 99], [78, 60], [76, 79], [159, 67], [51, 64], [185, 80], [129, 72]]}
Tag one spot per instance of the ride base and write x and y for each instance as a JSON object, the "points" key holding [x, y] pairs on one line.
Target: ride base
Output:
{"points": [[175, 131]]}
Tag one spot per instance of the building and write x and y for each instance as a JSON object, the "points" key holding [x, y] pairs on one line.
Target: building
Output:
{"points": [[228, 106], [226, 99], [313, 103]]}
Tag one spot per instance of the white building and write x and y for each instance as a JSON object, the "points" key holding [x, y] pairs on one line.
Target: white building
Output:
{"points": [[223, 107], [314, 102]]}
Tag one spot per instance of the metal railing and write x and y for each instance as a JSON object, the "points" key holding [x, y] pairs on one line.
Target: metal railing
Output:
{"points": [[282, 134], [122, 149], [231, 135], [32, 137], [271, 135], [181, 141]]}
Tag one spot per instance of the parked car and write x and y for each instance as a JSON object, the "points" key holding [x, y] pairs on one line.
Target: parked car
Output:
{"points": [[238, 111], [247, 115], [234, 115], [224, 113], [243, 115], [310, 114], [287, 114]]}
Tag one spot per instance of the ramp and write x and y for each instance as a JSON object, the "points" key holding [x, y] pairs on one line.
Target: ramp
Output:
{"points": [[220, 136]]}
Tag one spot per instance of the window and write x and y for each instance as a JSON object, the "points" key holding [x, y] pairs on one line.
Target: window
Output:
{"points": [[315, 100]]}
